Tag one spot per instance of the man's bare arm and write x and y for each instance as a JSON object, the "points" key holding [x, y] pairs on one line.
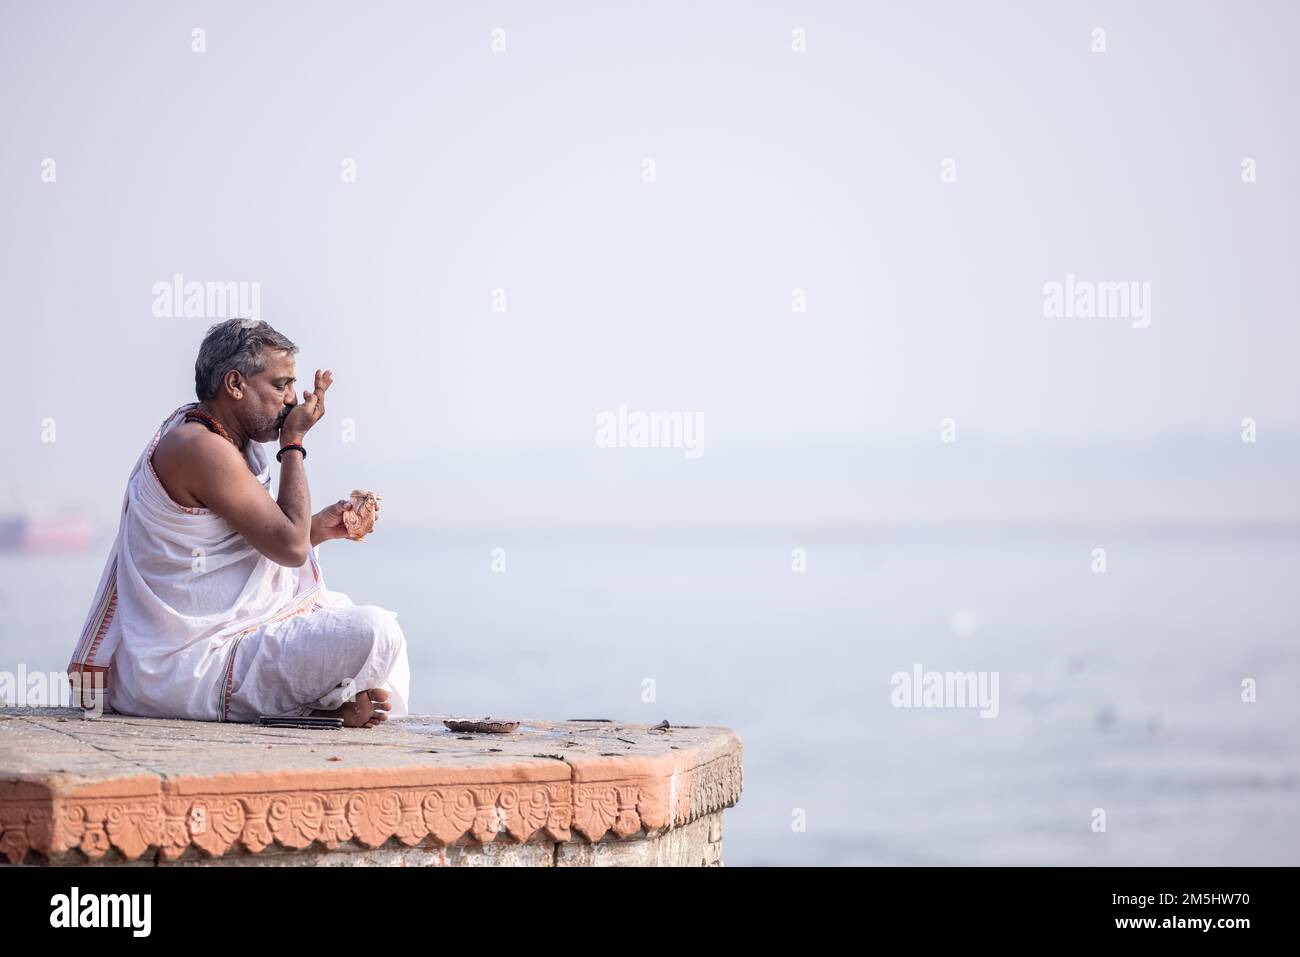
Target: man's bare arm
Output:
{"points": [[278, 528], [295, 500]]}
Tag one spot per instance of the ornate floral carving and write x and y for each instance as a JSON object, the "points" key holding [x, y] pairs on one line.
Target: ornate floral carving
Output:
{"points": [[375, 818], [132, 825], [256, 836], [716, 785], [624, 808], [215, 824], [22, 827]]}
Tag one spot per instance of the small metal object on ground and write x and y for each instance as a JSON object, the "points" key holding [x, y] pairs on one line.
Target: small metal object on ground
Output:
{"points": [[481, 725], [307, 721]]}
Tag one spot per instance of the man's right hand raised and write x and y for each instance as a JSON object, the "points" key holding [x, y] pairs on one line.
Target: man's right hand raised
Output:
{"points": [[308, 412]]}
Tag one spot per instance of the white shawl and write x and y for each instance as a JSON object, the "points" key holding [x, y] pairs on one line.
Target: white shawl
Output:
{"points": [[180, 585]]}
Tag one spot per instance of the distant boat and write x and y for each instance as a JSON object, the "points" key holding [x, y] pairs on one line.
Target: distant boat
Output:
{"points": [[46, 534]]}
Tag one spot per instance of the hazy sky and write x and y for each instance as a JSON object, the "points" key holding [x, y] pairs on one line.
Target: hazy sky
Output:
{"points": [[524, 170]]}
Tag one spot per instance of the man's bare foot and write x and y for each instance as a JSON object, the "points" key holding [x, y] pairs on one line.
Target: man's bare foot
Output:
{"points": [[369, 710]]}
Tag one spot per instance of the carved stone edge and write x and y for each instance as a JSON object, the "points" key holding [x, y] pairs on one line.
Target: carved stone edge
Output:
{"points": [[297, 818], [652, 804]]}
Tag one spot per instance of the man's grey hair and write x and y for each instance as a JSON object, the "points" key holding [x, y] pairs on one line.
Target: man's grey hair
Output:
{"points": [[239, 344]]}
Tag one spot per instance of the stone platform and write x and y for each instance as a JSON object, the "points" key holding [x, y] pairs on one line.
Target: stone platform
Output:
{"points": [[118, 790]]}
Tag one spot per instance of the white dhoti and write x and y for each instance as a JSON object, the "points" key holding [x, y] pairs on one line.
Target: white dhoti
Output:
{"points": [[319, 660], [190, 621]]}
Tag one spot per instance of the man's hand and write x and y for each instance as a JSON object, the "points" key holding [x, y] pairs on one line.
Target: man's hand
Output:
{"points": [[308, 412], [328, 524]]}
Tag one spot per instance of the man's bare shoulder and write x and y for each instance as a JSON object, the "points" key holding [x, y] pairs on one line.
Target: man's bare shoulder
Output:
{"points": [[186, 453]]}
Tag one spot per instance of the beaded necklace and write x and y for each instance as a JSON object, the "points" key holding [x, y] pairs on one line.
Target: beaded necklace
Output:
{"points": [[198, 415]]}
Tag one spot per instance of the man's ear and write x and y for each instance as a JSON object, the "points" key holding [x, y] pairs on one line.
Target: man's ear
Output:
{"points": [[234, 384]]}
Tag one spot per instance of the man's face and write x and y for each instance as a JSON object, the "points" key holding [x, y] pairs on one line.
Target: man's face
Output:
{"points": [[268, 397]]}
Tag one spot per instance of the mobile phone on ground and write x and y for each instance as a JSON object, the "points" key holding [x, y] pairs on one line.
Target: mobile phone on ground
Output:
{"points": [[306, 721]]}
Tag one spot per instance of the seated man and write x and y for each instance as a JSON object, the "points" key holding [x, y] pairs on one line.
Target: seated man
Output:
{"points": [[212, 605]]}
